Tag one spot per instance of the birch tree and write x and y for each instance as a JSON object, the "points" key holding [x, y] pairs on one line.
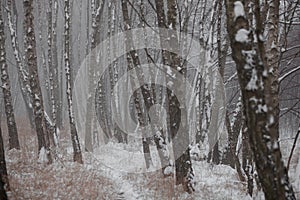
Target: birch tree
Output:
{"points": [[97, 9], [9, 110], [183, 165], [57, 85], [12, 21], [133, 62], [53, 74], [35, 89], [255, 80], [77, 156]]}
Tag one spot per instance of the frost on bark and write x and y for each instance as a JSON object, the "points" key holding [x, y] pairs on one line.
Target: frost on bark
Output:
{"points": [[35, 89], [48, 73], [53, 74], [77, 156], [22, 73], [4, 183], [255, 81], [9, 111]]}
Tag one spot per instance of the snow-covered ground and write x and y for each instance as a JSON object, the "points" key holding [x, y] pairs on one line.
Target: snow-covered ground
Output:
{"points": [[117, 171]]}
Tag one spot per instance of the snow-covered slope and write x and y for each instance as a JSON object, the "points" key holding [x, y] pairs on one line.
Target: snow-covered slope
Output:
{"points": [[114, 171]]}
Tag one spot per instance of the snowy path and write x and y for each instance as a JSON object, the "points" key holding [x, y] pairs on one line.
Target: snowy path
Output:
{"points": [[117, 163]]}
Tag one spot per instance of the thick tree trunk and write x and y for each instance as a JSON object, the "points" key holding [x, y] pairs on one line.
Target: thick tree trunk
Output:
{"points": [[9, 111], [36, 93], [67, 56], [4, 183], [255, 80], [3, 194]]}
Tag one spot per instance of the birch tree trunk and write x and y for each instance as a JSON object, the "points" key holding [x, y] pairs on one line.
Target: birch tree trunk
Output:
{"points": [[52, 74], [133, 61], [88, 142], [22, 73], [97, 9], [255, 82], [36, 93], [247, 160], [9, 110], [272, 54], [67, 55], [57, 85], [183, 164]]}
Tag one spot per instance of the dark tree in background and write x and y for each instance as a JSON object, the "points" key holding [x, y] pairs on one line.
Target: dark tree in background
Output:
{"points": [[35, 89], [8, 105]]}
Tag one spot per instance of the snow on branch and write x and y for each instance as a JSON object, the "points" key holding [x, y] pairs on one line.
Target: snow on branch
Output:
{"points": [[289, 73]]}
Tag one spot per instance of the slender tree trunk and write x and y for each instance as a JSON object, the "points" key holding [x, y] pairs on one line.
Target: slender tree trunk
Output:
{"points": [[42, 52], [36, 93], [9, 111], [57, 85], [200, 136], [67, 55], [234, 127], [88, 142], [272, 54], [134, 62], [247, 158], [183, 165], [22, 73], [97, 10], [255, 81], [52, 74]]}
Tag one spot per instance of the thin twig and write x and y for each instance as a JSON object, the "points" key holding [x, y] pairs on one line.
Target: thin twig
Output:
{"points": [[293, 148]]}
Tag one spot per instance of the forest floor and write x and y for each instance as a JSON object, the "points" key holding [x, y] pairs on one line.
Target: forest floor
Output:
{"points": [[117, 171]]}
